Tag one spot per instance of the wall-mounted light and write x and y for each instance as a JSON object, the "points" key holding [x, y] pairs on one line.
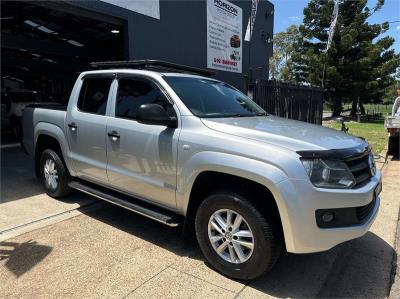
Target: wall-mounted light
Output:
{"points": [[115, 31], [269, 12]]}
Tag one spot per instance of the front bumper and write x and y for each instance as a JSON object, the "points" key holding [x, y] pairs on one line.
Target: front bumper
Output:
{"points": [[298, 205]]}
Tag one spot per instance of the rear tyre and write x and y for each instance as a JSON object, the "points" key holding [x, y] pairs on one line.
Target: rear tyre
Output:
{"points": [[54, 174], [236, 239]]}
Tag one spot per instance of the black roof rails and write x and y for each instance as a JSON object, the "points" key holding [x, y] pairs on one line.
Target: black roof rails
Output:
{"points": [[157, 65]]}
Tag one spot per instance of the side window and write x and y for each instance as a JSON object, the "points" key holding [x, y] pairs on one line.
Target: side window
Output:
{"points": [[94, 94], [132, 93]]}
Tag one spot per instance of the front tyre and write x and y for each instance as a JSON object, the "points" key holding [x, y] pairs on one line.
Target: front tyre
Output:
{"points": [[235, 237], [54, 174]]}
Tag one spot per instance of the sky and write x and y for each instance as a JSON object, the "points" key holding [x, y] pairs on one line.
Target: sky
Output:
{"points": [[288, 12]]}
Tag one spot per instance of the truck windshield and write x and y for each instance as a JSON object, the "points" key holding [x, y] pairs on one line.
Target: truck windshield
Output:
{"points": [[209, 98]]}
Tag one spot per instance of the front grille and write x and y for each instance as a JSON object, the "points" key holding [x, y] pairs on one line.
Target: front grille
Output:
{"points": [[360, 169], [364, 211]]}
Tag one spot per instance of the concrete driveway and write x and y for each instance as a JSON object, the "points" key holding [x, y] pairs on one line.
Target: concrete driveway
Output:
{"points": [[83, 248]]}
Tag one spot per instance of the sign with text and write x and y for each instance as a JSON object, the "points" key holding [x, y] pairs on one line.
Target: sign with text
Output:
{"points": [[224, 36]]}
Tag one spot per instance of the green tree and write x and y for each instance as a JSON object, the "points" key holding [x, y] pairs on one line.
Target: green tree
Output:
{"points": [[280, 64], [358, 66]]}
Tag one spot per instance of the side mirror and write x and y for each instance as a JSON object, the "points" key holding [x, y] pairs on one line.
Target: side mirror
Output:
{"points": [[154, 114]]}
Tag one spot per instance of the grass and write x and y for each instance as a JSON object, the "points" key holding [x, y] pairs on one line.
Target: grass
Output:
{"points": [[374, 132]]}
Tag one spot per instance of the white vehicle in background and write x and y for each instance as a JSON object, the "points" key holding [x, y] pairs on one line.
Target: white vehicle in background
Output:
{"points": [[16, 101], [392, 124]]}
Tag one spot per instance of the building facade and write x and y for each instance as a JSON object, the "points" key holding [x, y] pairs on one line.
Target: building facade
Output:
{"points": [[45, 44]]}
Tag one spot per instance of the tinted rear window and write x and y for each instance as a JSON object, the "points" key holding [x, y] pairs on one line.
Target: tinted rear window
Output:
{"points": [[94, 94]]}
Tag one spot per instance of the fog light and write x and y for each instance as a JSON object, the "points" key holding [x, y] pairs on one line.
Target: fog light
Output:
{"points": [[328, 217]]}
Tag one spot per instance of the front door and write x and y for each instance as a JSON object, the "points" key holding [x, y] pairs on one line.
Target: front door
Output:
{"points": [[141, 158], [86, 128]]}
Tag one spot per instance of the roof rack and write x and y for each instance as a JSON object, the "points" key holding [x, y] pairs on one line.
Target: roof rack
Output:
{"points": [[157, 65]]}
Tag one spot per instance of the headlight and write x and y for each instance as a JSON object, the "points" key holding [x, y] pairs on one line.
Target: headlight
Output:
{"points": [[328, 173], [372, 165]]}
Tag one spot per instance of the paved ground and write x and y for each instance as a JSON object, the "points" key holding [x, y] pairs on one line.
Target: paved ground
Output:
{"points": [[100, 250], [395, 291], [21, 195]]}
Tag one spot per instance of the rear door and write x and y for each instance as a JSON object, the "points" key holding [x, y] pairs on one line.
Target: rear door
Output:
{"points": [[86, 127], [141, 158]]}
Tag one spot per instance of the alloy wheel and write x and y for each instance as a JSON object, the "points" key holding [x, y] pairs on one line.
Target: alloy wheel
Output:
{"points": [[230, 236], [50, 174]]}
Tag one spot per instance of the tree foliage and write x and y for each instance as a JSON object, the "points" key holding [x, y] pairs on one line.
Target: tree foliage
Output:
{"points": [[280, 64], [358, 66]]}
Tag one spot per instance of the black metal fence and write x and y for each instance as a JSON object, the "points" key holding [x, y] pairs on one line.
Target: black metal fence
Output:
{"points": [[283, 99]]}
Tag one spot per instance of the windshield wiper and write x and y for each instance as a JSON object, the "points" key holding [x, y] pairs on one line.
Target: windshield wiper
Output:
{"points": [[217, 115], [249, 115], [240, 115]]}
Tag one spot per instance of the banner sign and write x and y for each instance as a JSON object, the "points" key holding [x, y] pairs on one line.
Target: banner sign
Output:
{"points": [[224, 36], [149, 8], [252, 20]]}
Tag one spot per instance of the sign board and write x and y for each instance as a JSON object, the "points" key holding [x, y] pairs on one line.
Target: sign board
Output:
{"points": [[149, 8], [224, 36], [252, 20]]}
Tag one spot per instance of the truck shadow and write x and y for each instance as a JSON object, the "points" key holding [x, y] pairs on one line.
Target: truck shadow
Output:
{"points": [[358, 268], [18, 180], [16, 171], [21, 257], [151, 231]]}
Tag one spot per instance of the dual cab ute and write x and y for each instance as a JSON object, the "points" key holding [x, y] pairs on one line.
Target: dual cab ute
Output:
{"points": [[171, 143]]}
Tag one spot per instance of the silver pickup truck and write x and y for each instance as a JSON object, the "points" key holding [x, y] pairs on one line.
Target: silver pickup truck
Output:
{"points": [[185, 149]]}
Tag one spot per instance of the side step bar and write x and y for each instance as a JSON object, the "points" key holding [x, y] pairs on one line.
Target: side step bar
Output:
{"points": [[140, 207]]}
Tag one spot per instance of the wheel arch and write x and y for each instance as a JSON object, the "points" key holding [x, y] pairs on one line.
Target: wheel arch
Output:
{"points": [[263, 199], [49, 136], [265, 175]]}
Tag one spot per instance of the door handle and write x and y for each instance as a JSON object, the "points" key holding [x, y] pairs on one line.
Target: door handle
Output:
{"points": [[114, 135], [73, 126]]}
